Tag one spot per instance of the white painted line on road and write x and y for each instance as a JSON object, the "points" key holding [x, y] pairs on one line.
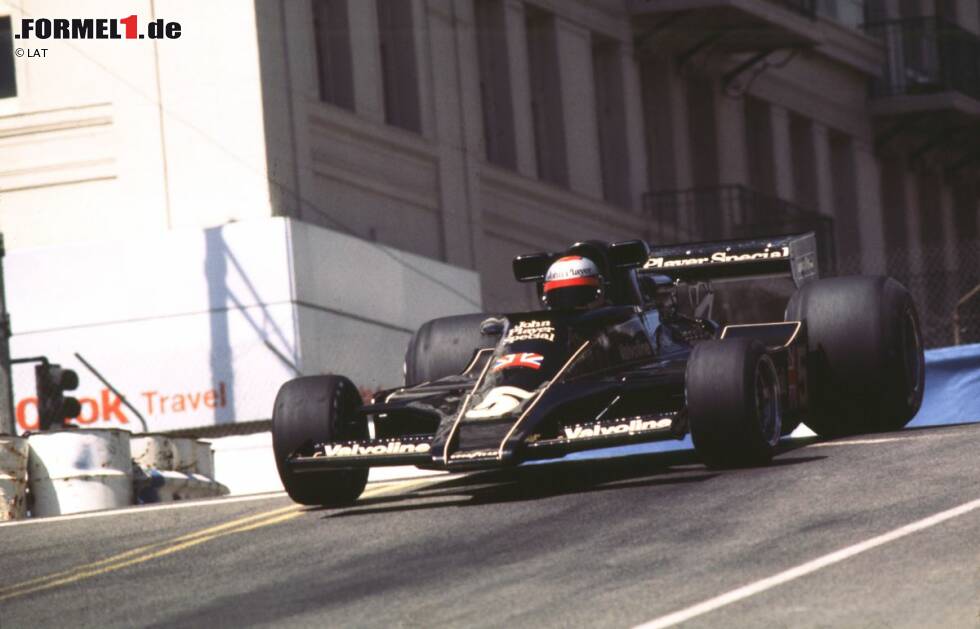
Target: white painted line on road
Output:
{"points": [[858, 442], [861, 442], [786, 576]]}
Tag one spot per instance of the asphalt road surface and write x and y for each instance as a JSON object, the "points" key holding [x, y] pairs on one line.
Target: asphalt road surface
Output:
{"points": [[652, 538]]}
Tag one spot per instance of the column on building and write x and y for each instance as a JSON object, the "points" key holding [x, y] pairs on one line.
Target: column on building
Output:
{"points": [[823, 170], [547, 95], [490, 32], [665, 104], [732, 154], [610, 67], [733, 167], [424, 61], [913, 252], [702, 128], [520, 87], [578, 105], [636, 150], [669, 169], [456, 104], [804, 162], [782, 151], [366, 58], [895, 201], [947, 217], [759, 145], [868, 197]]}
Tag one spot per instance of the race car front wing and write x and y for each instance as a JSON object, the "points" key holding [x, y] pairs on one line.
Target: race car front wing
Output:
{"points": [[418, 449]]}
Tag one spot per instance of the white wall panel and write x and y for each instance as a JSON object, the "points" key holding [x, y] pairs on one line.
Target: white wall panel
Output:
{"points": [[201, 327]]}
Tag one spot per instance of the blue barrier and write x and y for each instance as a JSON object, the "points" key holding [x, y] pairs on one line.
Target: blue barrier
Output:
{"points": [[952, 396], [952, 393]]}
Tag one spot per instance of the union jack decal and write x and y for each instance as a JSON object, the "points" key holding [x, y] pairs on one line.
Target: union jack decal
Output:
{"points": [[525, 359]]}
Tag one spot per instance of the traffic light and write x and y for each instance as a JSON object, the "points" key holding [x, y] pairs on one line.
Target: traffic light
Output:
{"points": [[53, 407]]}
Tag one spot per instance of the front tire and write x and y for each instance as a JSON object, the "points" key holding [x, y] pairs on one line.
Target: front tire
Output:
{"points": [[865, 363], [311, 410], [733, 403]]}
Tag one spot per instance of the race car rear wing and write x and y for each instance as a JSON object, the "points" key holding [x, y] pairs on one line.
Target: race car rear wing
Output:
{"points": [[795, 256]]}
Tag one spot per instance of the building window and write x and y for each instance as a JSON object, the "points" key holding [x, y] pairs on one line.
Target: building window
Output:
{"points": [[8, 79], [495, 94], [399, 74], [546, 109], [607, 68], [333, 52]]}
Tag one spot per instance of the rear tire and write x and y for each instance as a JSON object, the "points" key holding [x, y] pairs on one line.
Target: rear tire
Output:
{"points": [[311, 410], [865, 364], [444, 347], [733, 403]]}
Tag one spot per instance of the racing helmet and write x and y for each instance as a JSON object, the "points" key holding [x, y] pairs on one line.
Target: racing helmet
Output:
{"points": [[572, 282]]}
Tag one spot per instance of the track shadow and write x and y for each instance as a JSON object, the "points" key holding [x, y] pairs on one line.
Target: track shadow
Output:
{"points": [[535, 482]]}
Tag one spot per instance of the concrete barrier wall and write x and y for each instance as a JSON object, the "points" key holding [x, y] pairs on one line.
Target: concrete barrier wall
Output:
{"points": [[13, 477], [72, 471]]}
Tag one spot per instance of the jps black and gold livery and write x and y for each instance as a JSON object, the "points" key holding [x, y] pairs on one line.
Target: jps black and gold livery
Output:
{"points": [[734, 342]]}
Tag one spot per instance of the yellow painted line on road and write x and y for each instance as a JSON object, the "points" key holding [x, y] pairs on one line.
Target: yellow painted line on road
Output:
{"points": [[149, 547], [150, 552], [86, 572], [404, 486], [143, 509]]}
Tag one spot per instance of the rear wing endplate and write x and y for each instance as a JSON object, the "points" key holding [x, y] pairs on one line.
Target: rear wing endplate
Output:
{"points": [[795, 256]]}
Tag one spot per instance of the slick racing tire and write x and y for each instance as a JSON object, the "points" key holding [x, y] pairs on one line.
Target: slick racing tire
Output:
{"points": [[311, 410], [444, 347], [865, 364], [733, 403]]}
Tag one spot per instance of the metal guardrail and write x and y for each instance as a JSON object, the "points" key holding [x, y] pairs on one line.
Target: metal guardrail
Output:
{"points": [[926, 55], [734, 211]]}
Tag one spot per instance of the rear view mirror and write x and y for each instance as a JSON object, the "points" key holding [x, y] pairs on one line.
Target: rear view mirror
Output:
{"points": [[629, 253], [532, 267]]}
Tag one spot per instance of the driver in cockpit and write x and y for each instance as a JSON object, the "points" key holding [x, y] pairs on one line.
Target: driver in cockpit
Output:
{"points": [[574, 283]]}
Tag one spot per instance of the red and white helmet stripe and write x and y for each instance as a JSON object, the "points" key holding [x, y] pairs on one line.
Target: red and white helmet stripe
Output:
{"points": [[571, 271]]}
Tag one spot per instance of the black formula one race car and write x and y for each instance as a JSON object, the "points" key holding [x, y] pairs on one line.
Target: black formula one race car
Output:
{"points": [[733, 342]]}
